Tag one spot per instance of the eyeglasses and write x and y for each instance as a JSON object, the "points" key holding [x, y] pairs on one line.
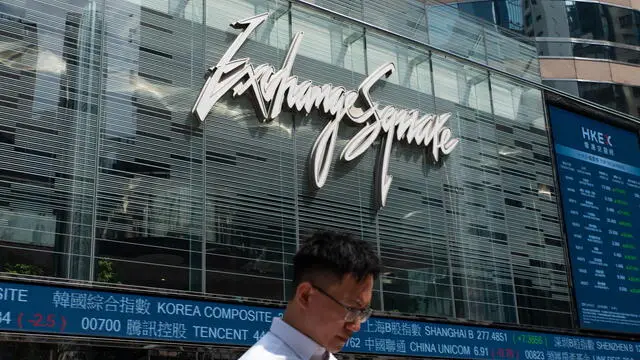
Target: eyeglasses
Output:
{"points": [[353, 314]]}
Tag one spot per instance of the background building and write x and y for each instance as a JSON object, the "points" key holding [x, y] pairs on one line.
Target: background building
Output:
{"points": [[590, 49], [107, 183]]}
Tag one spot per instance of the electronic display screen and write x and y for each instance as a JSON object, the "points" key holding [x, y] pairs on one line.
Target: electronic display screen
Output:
{"points": [[31, 308], [599, 176]]}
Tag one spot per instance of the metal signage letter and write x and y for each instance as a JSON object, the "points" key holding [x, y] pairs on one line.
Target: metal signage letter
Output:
{"points": [[273, 89]]}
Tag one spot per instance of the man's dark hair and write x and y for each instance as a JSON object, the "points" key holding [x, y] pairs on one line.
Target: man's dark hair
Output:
{"points": [[334, 254]]}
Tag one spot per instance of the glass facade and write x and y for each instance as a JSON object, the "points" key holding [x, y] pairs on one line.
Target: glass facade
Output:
{"points": [[505, 13], [600, 22], [567, 28], [574, 29], [589, 50], [105, 177], [589, 30], [620, 97], [445, 28]]}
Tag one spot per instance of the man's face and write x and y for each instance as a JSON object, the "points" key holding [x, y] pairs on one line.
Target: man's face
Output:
{"points": [[328, 319]]}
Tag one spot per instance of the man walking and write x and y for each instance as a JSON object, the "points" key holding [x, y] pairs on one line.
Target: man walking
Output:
{"points": [[333, 276]]}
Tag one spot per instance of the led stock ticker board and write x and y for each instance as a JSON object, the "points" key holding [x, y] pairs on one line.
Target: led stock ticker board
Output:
{"points": [[83, 312], [599, 176]]}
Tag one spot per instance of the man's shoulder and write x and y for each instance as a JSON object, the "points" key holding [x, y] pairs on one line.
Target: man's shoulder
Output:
{"points": [[269, 347]]}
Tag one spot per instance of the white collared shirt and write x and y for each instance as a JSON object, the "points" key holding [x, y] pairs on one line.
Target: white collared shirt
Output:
{"points": [[284, 342]]}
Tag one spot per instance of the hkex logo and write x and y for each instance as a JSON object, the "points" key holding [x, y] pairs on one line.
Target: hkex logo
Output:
{"points": [[596, 136]]}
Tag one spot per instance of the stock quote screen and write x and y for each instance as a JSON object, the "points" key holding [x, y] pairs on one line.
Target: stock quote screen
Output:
{"points": [[85, 312], [599, 176]]}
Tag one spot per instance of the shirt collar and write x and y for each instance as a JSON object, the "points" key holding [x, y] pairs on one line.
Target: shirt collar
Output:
{"points": [[302, 345]]}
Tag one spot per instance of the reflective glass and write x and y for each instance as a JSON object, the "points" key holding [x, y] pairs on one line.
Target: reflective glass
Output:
{"points": [[625, 55], [619, 97], [592, 51], [554, 48], [105, 176], [588, 50], [249, 211], [568, 86], [620, 24], [476, 242], [509, 14], [587, 21], [603, 22], [346, 199], [481, 9], [523, 162], [50, 74], [448, 30]]}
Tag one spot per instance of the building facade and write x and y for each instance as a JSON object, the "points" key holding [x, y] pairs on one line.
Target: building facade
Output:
{"points": [[139, 170], [589, 49]]}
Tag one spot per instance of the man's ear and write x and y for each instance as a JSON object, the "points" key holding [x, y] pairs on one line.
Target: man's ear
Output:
{"points": [[303, 292]]}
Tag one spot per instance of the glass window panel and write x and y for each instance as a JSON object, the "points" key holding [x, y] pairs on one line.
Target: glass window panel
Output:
{"points": [[586, 21], [603, 92], [461, 84], [480, 272], [625, 101], [334, 43], [163, 6], [620, 24], [101, 150], [610, 95], [593, 51], [589, 20], [625, 55], [412, 68], [569, 86], [620, 97], [249, 212], [588, 50], [636, 23], [481, 9], [530, 211], [554, 48], [48, 116], [410, 231], [149, 207], [352, 8], [220, 14], [555, 17], [517, 103], [345, 201], [509, 14], [512, 54], [407, 17], [452, 30]]}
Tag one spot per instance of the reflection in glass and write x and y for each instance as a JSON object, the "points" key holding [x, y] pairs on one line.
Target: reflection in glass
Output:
{"points": [[534, 270], [479, 284], [50, 125], [148, 212], [619, 97], [554, 48], [345, 201], [249, 200], [450, 30], [602, 22], [588, 50], [105, 177], [568, 86], [505, 13]]}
